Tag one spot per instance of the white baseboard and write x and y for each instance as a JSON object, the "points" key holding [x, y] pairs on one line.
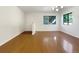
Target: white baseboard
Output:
{"points": [[9, 39], [70, 34]]}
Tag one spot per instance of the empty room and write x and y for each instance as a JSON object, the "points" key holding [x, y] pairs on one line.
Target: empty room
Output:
{"points": [[39, 29]]}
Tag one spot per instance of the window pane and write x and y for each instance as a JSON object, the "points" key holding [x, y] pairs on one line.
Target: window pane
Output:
{"points": [[67, 18], [52, 19], [49, 19], [70, 18], [46, 20]]}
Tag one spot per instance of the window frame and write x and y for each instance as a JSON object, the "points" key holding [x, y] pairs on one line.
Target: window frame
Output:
{"points": [[49, 16], [66, 19]]}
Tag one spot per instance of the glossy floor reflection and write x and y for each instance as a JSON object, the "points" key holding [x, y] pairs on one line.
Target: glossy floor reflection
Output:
{"points": [[56, 42]]}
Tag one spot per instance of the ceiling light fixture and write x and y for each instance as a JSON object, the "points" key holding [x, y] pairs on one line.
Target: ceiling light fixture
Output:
{"points": [[57, 9]]}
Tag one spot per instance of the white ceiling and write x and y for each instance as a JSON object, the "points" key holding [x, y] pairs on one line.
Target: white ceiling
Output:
{"points": [[37, 8]]}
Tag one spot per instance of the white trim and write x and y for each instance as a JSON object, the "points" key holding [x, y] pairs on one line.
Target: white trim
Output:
{"points": [[70, 34], [9, 39]]}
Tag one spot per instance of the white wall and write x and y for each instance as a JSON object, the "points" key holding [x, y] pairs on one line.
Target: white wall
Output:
{"points": [[11, 23], [38, 19], [74, 28]]}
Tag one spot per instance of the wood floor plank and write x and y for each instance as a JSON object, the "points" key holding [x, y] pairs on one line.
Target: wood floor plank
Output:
{"points": [[41, 42]]}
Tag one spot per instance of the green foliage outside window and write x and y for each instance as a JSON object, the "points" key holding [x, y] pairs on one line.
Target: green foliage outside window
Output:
{"points": [[67, 18]]}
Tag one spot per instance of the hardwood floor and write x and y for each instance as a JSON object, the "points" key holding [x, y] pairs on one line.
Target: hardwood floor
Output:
{"points": [[57, 42]]}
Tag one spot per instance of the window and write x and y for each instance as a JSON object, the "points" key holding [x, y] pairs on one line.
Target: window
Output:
{"points": [[49, 19], [67, 18]]}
